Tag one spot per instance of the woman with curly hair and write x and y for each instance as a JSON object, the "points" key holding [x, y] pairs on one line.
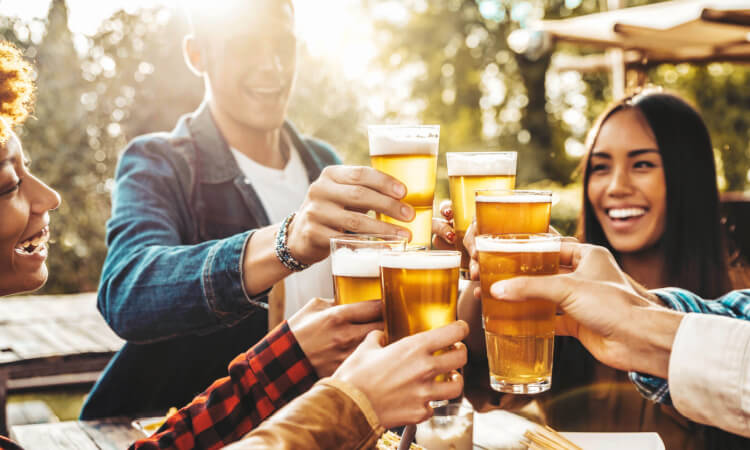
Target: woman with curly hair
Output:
{"points": [[374, 388]]}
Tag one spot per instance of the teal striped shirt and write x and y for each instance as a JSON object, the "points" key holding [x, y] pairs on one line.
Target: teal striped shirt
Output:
{"points": [[734, 304]]}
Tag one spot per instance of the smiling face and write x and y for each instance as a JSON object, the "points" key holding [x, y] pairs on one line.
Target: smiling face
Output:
{"points": [[250, 64], [25, 202], [626, 186]]}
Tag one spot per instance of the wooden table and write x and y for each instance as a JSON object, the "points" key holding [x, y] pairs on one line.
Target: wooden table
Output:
{"points": [[51, 340], [110, 434]]}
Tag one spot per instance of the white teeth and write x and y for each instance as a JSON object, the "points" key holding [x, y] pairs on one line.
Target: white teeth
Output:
{"points": [[626, 213]]}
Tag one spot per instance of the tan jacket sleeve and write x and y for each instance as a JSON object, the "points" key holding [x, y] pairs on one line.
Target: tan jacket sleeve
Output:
{"points": [[332, 414]]}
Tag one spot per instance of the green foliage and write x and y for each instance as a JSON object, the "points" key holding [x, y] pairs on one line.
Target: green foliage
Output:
{"points": [[126, 80], [448, 62]]}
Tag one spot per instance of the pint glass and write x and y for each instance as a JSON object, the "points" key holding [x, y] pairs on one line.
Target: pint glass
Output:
{"points": [[469, 172], [520, 335], [420, 291], [355, 263], [409, 154], [502, 212]]}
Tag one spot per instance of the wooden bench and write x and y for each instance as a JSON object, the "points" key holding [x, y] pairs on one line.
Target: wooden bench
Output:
{"points": [[50, 341]]}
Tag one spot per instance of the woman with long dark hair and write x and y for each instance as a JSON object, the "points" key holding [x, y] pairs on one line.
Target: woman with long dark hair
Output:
{"points": [[650, 196]]}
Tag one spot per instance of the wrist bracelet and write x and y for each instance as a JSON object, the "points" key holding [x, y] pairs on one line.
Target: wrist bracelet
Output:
{"points": [[282, 249]]}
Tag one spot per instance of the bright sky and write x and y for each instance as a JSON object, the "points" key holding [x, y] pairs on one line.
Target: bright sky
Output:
{"points": [[334, 28]]}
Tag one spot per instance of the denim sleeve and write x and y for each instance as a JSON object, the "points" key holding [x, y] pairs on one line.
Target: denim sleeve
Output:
{"points": [[153, 287]]}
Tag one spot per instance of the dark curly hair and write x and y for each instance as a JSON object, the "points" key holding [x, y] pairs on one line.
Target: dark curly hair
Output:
{"points": [[16, 88]]}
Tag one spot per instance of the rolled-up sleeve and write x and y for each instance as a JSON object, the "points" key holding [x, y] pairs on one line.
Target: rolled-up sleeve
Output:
{"points": [[709, 372]]}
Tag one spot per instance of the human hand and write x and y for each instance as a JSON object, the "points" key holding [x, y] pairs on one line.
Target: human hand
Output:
{"points": [[338, 202], [328, 334], [601, 306], [443, 234], [399, 379], [471, 233]]}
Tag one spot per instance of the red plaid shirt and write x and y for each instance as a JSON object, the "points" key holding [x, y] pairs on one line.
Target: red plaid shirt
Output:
{"points": [[268, 376]]}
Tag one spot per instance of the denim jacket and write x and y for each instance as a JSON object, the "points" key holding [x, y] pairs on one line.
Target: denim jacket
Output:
{"points": [[171, 285]]}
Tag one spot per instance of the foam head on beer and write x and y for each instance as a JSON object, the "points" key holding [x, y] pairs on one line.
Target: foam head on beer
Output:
{"points": [[477, 164], [355, 264], [420, 291]]}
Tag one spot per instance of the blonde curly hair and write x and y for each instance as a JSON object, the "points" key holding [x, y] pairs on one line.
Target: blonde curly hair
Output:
{"points": [[16, 88]]}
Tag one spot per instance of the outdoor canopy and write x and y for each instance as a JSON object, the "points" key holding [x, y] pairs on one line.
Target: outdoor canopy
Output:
{"points": [[675, 31]]}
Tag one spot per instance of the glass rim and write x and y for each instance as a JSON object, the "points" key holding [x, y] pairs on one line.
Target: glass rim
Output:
{"points": [[512, 192], [367, 237], [518, 242], [403, 127], [519, 237], [412, 251], [488, 153], [420, 255]]}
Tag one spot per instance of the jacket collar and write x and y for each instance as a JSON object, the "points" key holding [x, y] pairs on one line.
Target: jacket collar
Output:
{"points": [[216, 164]]}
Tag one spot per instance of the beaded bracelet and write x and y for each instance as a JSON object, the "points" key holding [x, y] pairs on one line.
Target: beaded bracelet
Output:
{"points": [[282, 250]]}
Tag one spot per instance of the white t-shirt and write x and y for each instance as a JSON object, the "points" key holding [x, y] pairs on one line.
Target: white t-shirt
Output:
{"points": [[282, 192]]}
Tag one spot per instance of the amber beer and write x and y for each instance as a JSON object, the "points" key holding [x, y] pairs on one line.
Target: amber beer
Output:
{"points": [[520, 335], [355, 263], [503, 212], [469, 172], [409, 154], [420, 291]]}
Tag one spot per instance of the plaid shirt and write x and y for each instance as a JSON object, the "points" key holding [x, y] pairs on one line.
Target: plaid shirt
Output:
{"points": [[261, 381], [735, 304]]}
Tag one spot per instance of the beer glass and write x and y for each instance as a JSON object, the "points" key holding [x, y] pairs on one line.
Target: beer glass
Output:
{"points": [[355, 263], [409, 154], [469, 172], [502, 211], [420, 291], [520, 335]]}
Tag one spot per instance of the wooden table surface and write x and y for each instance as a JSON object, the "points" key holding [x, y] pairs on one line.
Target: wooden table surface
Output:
{"points": [[111, 434], [50, 340]]}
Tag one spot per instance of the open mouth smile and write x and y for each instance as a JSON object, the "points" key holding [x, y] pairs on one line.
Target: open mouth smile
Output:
{"points": [[625, 214], [34, 244]]}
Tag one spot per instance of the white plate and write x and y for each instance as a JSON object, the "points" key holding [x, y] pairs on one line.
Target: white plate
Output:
{"points": [[616, 441], [502, 430]]}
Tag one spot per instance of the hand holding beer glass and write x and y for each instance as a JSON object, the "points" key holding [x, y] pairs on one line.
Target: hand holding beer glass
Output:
{"points": [[520, 336], [355, 263], [420, 293], [409, 154], [469, 172]]}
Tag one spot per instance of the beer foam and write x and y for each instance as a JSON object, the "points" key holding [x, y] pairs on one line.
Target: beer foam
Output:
{"points": [[361, 263], [533, 245], [477, 164], [514, 198], [403, 145], [420, 260]]}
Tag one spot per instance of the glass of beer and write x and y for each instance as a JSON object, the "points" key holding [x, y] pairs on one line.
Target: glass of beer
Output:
{"points": [[503, 211], [520, 335], [420, 291], [409, 154], [469, 172], [355, 263]]}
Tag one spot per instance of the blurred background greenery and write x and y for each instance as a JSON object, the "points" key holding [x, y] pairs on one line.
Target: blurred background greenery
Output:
{"points": [[442, 61]]}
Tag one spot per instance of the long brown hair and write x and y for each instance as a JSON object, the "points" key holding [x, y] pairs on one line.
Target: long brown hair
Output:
{"points": [[693, 243]]}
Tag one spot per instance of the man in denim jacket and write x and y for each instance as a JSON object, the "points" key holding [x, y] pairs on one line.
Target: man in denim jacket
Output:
{"points": [[194, 243]]}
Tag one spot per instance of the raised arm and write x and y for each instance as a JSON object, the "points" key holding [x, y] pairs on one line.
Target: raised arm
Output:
{"points": [[153, 286]]}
